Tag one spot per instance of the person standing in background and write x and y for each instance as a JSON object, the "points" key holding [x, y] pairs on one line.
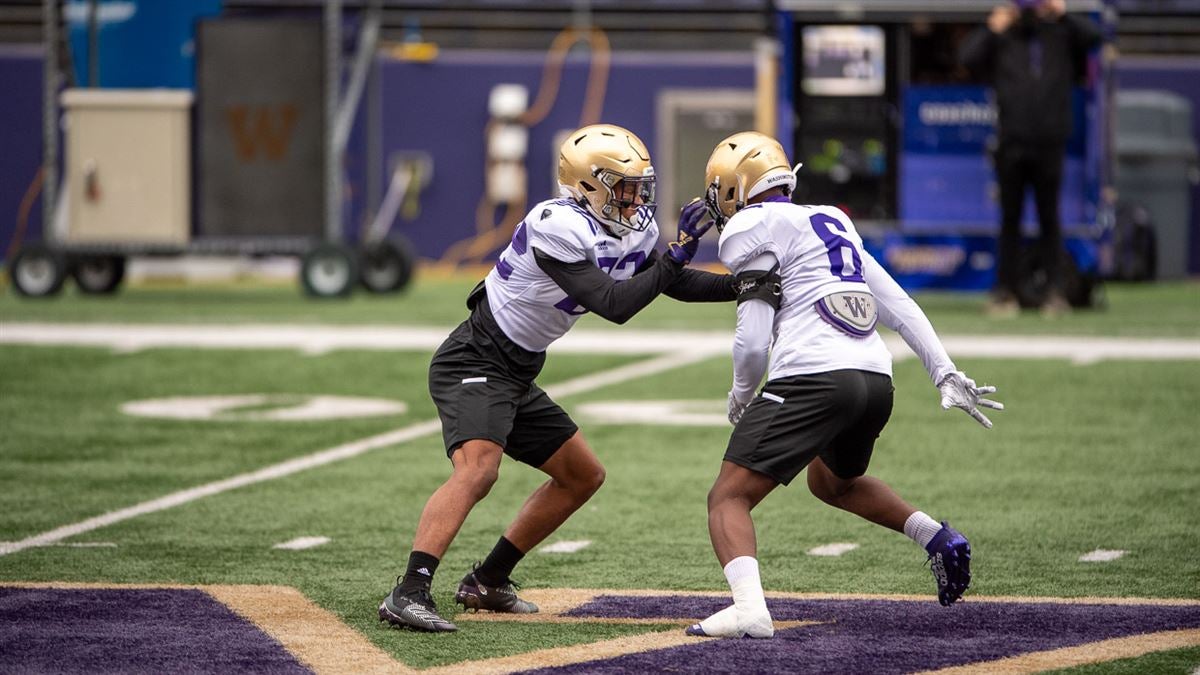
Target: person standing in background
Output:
{"points": [[1032, 52]]}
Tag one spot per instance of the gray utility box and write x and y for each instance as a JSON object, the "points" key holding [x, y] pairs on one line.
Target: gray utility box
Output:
{"points": [[1156, 165]]}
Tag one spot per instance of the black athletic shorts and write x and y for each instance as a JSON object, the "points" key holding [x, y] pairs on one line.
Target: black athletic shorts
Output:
{"points": [[482, 385], [835, 416]]}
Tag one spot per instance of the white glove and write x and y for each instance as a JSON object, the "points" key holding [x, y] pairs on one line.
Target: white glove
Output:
{"points": [[960, 391], [736, 408]]}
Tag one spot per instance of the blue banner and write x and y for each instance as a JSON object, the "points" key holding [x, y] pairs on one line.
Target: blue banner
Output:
{"points": [[139, 43]]}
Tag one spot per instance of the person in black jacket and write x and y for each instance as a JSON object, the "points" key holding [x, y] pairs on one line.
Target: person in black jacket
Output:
{"points": [[1032, 52]]}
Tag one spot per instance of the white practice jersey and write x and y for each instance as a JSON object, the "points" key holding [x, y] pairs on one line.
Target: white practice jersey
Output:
{"points": [[820, 253], [528, 305]]}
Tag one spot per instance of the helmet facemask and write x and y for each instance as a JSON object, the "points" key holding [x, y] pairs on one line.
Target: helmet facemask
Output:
{"points": [[627, 203]]}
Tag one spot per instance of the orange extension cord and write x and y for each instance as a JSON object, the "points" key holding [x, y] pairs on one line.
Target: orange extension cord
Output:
{"points": [[491, 235]]}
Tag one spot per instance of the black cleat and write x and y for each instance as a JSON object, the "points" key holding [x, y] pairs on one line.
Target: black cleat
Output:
{"points": [[414, 610], [474, 595]]}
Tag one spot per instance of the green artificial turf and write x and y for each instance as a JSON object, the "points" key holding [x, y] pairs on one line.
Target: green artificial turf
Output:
{"points": [[1085, 456]]}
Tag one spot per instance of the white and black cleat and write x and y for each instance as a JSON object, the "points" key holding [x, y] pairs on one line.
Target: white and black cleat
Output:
{"points": [[414, 610]]}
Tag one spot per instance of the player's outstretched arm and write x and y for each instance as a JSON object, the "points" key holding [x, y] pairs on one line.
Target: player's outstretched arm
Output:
{"points": [[700, 286], [901, 313], [898, 311], [616, 301]]}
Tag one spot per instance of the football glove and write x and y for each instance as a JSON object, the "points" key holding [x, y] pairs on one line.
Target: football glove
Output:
{"points": [[736, 409], [691, 228], [960, 391]]}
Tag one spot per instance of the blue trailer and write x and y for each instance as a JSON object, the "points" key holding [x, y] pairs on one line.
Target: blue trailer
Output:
{"points": [[894, 130]]}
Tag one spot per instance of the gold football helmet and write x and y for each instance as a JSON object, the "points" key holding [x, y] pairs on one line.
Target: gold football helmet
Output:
{"points": [[607, 169], [742, 166]]}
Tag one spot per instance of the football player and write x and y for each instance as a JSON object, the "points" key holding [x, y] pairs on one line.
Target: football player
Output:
{"points": [[592, 250], [809, 297]]}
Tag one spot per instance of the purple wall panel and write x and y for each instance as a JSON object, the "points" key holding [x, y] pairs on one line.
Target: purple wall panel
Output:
{"points": [[20, 137], [441, 108]]}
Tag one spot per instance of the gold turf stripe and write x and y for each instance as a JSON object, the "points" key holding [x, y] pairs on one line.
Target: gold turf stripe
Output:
{"points": [[494, 617], [1092, 652], [313, 635], [583, 653], [558, 600]]}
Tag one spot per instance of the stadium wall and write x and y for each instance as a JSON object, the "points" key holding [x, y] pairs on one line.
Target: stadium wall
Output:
{"points": [[440, 107]]}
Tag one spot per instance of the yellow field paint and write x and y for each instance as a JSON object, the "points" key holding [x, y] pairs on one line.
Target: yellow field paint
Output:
{"points": [[1093, 652]]}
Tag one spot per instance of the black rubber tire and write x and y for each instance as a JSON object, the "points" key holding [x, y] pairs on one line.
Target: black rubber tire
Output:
{"points": [[387, 266], [98, 274], [37, 271], [328, 271]]}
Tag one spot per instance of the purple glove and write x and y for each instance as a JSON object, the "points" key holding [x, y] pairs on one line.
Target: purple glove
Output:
{"points": [[690, 230]]}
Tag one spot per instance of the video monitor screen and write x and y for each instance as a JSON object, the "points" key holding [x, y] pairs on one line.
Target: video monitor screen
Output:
{"points": [[843, 60]]}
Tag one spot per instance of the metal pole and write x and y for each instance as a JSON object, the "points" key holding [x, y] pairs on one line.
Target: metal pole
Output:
{"points": [[49, 115], [364, 56], [333, 156], [93, 43], [374, 136]]}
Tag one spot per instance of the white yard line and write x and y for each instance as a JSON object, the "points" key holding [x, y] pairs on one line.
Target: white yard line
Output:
{"points": [[301, 543], [321, 339], [566, 546], [1102, 555], [578, 385], [832, 550]]}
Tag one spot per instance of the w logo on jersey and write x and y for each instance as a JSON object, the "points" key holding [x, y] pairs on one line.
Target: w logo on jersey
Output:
{"points": [[858, 307], [851, 312]]}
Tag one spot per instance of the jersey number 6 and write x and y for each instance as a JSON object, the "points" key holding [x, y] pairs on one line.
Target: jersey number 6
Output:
{"points": [[828, 228]]}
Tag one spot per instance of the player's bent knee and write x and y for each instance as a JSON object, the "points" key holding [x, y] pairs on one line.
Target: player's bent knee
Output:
{"points": [[594, 480], [827, 487], [583, 484], [478, 480]]}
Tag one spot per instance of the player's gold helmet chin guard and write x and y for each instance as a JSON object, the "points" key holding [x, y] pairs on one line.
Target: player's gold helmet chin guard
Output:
{"points": [[591, 163], [741, 167]]}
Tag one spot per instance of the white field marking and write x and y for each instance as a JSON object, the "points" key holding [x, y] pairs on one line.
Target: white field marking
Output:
{"points": [[707, 413], [321, 339], [617, 375], [301, 543], [225, 408], [77, 544], [1102, 555], [832, 550], [565, 546]]}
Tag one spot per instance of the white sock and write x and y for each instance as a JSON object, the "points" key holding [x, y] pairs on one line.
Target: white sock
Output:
{"points": [[921, 528], [742, 575]]}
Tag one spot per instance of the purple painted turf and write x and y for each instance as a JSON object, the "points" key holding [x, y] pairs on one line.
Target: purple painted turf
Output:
{"points": [[877, 636], [131, 631]]}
